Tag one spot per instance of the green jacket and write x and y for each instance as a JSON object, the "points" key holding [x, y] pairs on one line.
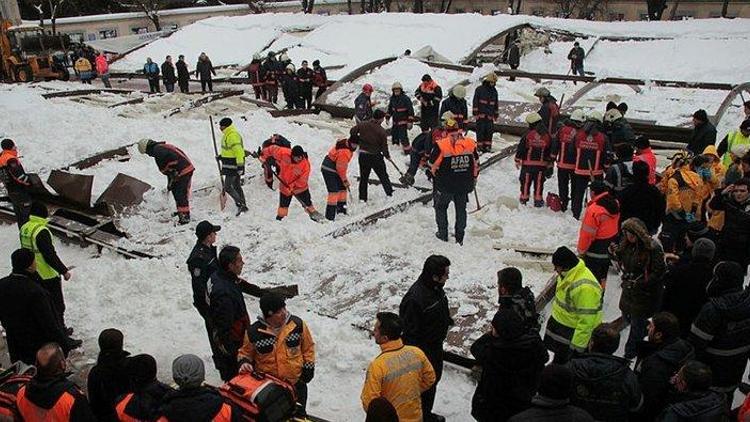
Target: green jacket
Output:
{"points": [[28, 234], [733, 139], [578, 304], [232, 149]]}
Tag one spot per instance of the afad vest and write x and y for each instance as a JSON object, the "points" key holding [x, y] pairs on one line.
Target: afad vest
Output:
{"points": [[29, 232]]}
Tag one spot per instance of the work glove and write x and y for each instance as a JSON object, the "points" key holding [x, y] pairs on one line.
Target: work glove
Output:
{"points": [[346, 184], [308, 372]]}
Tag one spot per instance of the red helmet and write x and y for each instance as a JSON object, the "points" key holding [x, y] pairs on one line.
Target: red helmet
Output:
{"points": [[367, 88]]}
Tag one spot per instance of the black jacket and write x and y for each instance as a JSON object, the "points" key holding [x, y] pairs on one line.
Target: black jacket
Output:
{"points": [[171, 161], [704, 406], [550, 112], [400, 109], [458, 107], [656, 365], [144, 405], [619, 177], [182, 71], [721, 336], [45, 393], [204, 69], [645, 202], [734, 241], [167, 73], [373, 139], [305, 78], [514, 55], [544, 409], [484, 105], [227, 310], [576, 56], [27, 315], [701, 137], [107, 380], [425, 316], [605, 386], [199, 404], [510, 375], [13, 176], [685, 291], [525, 306], [363, 107], [201, 264], [620, 132]]}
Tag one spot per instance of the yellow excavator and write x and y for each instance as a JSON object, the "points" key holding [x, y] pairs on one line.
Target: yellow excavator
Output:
{"points": [[28, 54]]}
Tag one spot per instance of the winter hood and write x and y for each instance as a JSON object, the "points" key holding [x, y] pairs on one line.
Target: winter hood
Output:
{"points": [[711, 150], [598, 366], [676, 353], [608, 202], [636, 226]]}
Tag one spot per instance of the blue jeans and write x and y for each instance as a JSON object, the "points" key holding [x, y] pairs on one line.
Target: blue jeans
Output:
{"points": [[578, 70], [638, 330]]}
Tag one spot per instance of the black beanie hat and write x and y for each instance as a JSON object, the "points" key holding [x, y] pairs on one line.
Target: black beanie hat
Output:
{"points": [[701, 115], [611, 105], [39, 209], [564, 258], [141, 369], [7, 143], [270, 303], [508, 324], [110, 340], [556, 382], [297, 151], [728, 276], [21, 259], [426, 78], [225, 122], [381, 410], [316, 63]]}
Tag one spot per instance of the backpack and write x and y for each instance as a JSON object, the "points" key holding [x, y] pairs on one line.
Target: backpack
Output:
{"points": [[553, 202], [11, 380], [260, 397]]}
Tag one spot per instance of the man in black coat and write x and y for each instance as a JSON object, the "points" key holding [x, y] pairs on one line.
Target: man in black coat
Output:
{"points": [[734, 240], [456, 104], [659, 359], [552, 403], [16, 180], [27, 313], [721, 331], [305, 78], [513, 57], [145, 394], [227, 311], [426, 319], [512, 359], [485, 111], [203, 263], [704, 133], [695, 401], [402, 112], [603, 384], [685, 284], [511, 294], [642, 200], [203, 70], [168, 74], [108, 379], [178, 168], [183, 75]]}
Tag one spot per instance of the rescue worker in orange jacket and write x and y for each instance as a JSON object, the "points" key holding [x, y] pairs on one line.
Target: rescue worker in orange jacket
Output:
{"points": [[399, 374], [270, 153], [534, 159], [50, 396], [402, 112], [294, 173], [16, 181], [715, 218], [683, 193], [564, 153], [280, 344], [454, 167], [178, 168], [146, 393], [194, 401], [334, 168], [599, 229], [592, 150]]}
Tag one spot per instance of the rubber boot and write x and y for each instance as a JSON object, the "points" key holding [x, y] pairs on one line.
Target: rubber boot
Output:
{"points": [[184, 218], [330, 212], [341, 208]]}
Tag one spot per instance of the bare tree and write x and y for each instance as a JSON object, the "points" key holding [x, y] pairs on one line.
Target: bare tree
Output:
{"points": [[150, 8], [418, 6], [724, 8], [349, 6], [307, 6], [54, 7], [256, 6], [673, 12]]}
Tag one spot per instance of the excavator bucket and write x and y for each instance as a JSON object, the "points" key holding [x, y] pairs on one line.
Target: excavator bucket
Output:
{"points": [[123, 192], [75, 188]]}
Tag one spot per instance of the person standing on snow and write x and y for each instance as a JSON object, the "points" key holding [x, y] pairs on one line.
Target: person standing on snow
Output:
{"points": [[203, 70], [363, 104], [563, 151], [320, 79], [454, 167], [549, 110], [373, 148], [280, 344], [183, 75], [429, 95], [599, 228], [576, 56], [592, 150], [456, 104], [178, 168], [16, 181], [426, 319], [233, 163], [294, 174], [102, 68], [513, 57], [485, 111], [402, 112], [268, 68], [151, 70], [334, 168], [256, 74], [533, 158], [168, 74], [305, 76], [704, 133]]}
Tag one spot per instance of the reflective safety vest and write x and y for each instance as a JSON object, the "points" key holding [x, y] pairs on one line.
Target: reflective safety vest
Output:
{"points": [[29, 232], [232, 150], [733, 139], [578, 304], [33, 413]]}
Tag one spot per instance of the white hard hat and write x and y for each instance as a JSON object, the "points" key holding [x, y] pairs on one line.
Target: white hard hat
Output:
{"points": [[534, 117], [143, 144], [290, 67], [397, 85], [578, 116], [256, 56], [595, 116], [459, 91], [284, 57], [612, 115]]}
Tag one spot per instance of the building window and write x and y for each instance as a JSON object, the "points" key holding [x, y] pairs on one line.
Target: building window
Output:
{"points": [[537, 12], [496, 12], [616, 16], [140, 30], [76, 36], [91, 37], [107, 33]]}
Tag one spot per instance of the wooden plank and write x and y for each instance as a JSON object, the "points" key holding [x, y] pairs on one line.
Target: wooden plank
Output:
{"points": [[523, 249], [204, 100], [78, 92], [396, 185]]}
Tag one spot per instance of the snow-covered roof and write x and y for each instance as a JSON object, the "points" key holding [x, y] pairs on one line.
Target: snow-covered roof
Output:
{"points": [[134, 15]]}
